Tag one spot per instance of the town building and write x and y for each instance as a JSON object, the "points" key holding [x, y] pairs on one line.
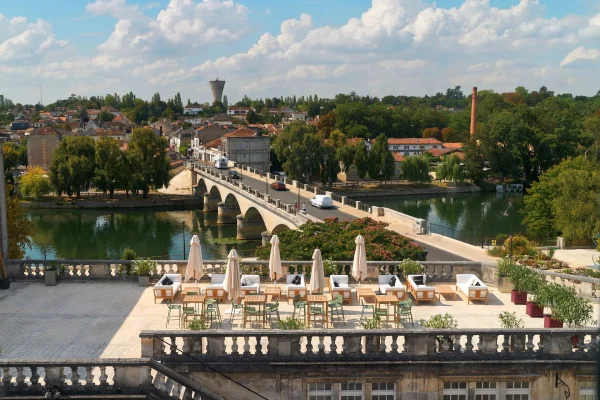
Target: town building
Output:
{"points": [[239, 111], [298, 116], [247, 147], [410, 146], [193, 109], [41, 146]]}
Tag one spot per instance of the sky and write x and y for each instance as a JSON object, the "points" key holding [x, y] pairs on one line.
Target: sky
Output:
{"points": [[273, 48]]}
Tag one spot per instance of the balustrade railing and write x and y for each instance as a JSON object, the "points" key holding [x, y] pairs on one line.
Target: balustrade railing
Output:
{"points": [[335, 197], [388, 345], [77, 377], [364, 207], [350, 202]]}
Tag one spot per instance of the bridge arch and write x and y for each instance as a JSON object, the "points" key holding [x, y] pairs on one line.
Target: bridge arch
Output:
{"points": [[251, 224], [279, 229], [228, 210], [201, 188]]}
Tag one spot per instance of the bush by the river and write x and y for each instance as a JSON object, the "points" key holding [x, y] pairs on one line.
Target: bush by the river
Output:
{"points": [[336, 238]]}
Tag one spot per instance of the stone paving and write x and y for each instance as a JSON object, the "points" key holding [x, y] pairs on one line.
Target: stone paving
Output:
{"points": [[103, 319]]}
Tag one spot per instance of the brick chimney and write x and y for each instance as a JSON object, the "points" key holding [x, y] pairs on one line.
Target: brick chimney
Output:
{"points": [[474, 111]]}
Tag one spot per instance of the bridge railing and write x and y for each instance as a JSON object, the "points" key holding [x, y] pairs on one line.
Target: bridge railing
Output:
{"points": [[372, 345], [104, 376]]}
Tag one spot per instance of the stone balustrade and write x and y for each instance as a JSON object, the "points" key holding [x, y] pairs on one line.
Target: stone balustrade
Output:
{"points": [[360, 345], [80, 377]]}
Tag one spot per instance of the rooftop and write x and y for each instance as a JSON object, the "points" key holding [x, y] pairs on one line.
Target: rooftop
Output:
{"points": [[87, 319]]}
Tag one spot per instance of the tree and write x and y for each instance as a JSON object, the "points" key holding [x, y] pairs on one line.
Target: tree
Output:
{"points": [[450, 135], [149, 160], [474, 161], [299, 149], [19, 227], [361, 160], [105, 116], [381, 160], [346, 155], [109, 164], [330, 165], [11, 155], [326, 124], [416, 169], [251, 117], [451, 169], [72, 167], [433, 133], [34, 183]]}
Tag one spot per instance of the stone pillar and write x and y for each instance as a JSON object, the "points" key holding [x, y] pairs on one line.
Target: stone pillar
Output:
{"points": [[305, 187], [210, 203], [194, 179], [227, 213], [344, 200], [266, 237], [249, 228], [357, 204]]}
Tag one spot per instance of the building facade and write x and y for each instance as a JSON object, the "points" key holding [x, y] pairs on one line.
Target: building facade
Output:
{"points": [[41, 146], [247, 147], [410, 146]]}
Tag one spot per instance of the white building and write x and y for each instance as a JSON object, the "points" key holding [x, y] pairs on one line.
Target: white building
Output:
{"points": [[192, 110], [239, 111], [299, 116], [410, 146]]}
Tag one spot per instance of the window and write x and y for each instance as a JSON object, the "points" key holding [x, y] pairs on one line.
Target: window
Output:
{"points": [[587, 390], [351, 391], [486, 391], [517, 390], [320, 391], [383, 391], [405, 147], [455, 391], [406, 154]]}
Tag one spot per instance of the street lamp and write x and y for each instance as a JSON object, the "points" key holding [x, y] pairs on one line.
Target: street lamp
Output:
{"points": [[482, 224], [183, 237], [384, 189]]}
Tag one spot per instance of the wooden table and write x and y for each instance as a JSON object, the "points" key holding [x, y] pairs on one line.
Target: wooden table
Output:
{"points": [[364, 292], [388, 299], [445, 290], [259, 300], [271, 292], [196, 299], [315, 299]]}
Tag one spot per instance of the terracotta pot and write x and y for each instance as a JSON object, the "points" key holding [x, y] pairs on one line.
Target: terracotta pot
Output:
{"points": [[550, 322], [534, 311], [519, 298], [575, 341]]}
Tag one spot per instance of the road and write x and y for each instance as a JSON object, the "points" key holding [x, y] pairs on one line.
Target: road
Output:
{"points": [[288, 196]]}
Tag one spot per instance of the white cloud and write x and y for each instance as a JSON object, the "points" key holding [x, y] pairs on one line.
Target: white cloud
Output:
{"points": [[581, 53], [21, 40]]}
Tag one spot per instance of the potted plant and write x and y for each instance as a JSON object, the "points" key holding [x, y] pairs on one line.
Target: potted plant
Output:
{"points": [[532, 283], [4, 279], [410, 267], [51, 271], [198, 324], [556, 298], [503, 268], [523, 280], [574, 311], [439, 321], [143, 268], [370, 324], [128, 255], [511, 321]]}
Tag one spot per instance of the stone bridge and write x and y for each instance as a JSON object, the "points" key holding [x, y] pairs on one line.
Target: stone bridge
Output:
{"points": [[257, 215]]}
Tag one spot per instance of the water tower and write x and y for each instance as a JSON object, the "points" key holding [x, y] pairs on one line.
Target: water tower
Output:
{"points": [[217, 87]]}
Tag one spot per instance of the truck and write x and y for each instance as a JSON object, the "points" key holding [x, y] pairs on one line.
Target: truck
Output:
{"points": [[221, 162]]}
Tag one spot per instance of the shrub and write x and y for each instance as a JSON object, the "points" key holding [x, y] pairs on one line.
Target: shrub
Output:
{"points": [[410, 267], [330, 268], [504, 266], [291, 324], [525, 279], [144, 267], [440, 321], [35, 184], [336, 241], [198, 324], [371, 323], [510, 320], [128, 254]]}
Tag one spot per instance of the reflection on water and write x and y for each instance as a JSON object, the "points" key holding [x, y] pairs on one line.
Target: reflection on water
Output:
{"points": [[460, 215], [104, 234]]}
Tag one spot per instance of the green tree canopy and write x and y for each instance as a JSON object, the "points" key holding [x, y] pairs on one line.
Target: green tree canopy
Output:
{"points": [[34, 183], [361, 160], [451, 169], [416, 169], [109, 164], [73, 165], [381, 161], [149, 161]]}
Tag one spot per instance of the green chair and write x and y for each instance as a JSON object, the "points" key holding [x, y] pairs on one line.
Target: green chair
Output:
{"points": [[300, 306], [188, 312], [212, 312], [317, 310], [404, 313], [365, 307], [336, 308], [273, 309], [382, 313], [251, 312], [172, 309], [236, 307]]}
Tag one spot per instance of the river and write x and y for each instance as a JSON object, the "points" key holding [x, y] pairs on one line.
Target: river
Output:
{"points": [[464, 216], [104, 234]]}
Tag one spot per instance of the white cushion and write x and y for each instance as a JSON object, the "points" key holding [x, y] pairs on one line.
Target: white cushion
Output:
{"points": [[217, 279]]}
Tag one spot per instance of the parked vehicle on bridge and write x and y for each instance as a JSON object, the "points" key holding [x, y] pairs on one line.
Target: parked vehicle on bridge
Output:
{"points": [[233, 175], [221, 163], [280, 176], [278, 185], [321, 201]]}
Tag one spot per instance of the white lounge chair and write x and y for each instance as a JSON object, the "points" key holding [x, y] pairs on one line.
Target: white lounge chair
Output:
{"points": [[215, 289], [418, 288], [250, 283], [167, 291], [472, 286], [293, 290], [342, 287], [396, 290]]}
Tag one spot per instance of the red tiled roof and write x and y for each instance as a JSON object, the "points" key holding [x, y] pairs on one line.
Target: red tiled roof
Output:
{"points": [[241, 132], [415, 141], [240, 108], [214, 143], [439, 152], [452, 145], [353, 141], [398, 157]]}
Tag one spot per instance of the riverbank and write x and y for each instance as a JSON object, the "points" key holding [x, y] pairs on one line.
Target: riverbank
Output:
{"points": [[404, 190], [153, 201]]}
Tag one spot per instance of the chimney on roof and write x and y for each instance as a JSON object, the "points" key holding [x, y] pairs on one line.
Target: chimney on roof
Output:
{"points": [[474, 111]]}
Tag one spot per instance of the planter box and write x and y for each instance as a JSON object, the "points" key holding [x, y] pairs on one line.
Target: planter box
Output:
{"points": [[519, 298], [534, 311], [4, 284], [144, 281], [50, 278], [504, 285], [550, 322]]}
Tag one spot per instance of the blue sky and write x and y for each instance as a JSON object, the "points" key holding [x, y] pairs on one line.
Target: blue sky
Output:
{"points": [[275, 48]]}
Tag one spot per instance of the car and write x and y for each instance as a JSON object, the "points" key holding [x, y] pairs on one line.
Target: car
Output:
{"points": [[233, 175], [278, 185], [321, 201]]}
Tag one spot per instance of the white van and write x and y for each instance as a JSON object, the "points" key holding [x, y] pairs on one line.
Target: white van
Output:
{"points": [[221, 163], [322, 201]]}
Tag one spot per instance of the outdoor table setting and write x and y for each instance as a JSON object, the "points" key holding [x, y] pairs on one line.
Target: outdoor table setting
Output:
{"points": [[313, 299], [258, 300], [386, 300]]}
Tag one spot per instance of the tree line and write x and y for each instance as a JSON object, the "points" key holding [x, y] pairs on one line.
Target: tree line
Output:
{"points": [[79, 161]]}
